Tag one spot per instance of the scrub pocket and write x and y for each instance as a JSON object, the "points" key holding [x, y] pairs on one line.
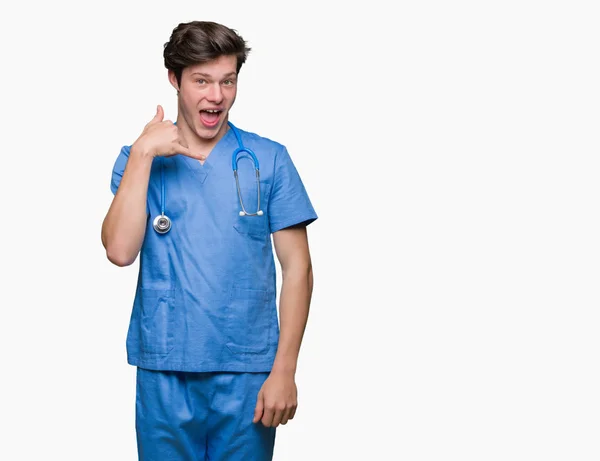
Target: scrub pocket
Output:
{"points": [[249, 320], [256, 227], [157, 312]]}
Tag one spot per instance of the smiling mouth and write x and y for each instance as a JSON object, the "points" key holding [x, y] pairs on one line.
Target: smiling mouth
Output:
{"points": [[210, 117]]}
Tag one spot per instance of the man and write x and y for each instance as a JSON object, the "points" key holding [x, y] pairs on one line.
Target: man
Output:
{"points": [[215, 369]]}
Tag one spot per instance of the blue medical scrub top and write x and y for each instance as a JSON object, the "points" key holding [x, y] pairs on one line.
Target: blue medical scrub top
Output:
{"points": [[206, 293]]}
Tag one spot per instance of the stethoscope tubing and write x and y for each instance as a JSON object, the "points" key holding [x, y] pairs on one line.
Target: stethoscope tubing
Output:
{"points": [[162, 223]]}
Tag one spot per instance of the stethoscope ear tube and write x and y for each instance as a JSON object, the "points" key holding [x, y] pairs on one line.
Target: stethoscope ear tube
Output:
{"points": [[243, 212]]}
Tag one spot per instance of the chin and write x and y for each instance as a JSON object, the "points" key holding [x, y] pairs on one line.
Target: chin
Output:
{"points": [[208, 133]]}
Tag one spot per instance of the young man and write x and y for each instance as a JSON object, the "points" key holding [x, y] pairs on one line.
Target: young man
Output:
{"points": [[215, 369]]}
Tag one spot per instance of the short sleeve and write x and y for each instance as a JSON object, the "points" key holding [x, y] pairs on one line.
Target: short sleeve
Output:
{"points": [[289, 203], [119, 168]]}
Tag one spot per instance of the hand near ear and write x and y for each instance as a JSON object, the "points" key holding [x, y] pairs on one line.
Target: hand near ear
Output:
{"points": [[163, 138]]}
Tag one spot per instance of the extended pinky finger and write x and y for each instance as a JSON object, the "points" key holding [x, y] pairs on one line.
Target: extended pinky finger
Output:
{"points": [[185, 151]]}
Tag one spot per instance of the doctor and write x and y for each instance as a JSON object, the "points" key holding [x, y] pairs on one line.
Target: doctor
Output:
{"points": [[215, 368]]}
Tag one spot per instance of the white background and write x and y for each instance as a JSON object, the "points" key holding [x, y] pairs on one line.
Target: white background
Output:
{"points": [[451, 152]]}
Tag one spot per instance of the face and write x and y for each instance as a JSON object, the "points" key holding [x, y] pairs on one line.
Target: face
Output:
{"points": [[206, 94]]}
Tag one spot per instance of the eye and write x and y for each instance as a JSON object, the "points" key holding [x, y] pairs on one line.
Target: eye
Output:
{"points": [[229, 82], [200, 81]]}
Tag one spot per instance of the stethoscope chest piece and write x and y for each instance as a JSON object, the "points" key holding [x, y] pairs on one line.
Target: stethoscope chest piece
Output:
{"points": [[162, 224]]}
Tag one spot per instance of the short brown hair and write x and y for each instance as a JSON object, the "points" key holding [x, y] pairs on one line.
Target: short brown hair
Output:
{"points": [[202, 41]]}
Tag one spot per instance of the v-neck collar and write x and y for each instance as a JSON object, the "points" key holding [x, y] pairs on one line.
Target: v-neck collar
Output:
{"points": [[202, 170]]}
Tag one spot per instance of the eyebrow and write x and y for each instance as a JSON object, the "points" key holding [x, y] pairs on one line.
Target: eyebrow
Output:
{"points": [[230, 74]]}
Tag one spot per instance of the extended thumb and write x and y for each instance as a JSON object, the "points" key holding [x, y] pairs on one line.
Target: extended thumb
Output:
{"points": [[159, 114]]}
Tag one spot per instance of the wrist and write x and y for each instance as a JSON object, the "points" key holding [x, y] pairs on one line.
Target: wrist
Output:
{"points": [[141, 152], [284, 368]]}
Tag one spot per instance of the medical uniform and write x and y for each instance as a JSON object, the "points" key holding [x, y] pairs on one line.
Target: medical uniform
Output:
{"points": [[204, 327]]}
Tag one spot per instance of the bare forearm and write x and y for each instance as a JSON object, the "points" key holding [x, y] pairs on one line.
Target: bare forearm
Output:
{"points": [[296, 293], [124, 227]]}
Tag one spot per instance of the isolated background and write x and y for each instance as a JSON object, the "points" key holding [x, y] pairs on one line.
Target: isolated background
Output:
{"points": [[451, 152]]}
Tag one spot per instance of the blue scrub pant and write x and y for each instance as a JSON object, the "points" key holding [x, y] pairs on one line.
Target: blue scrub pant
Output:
{"points": [[184, 416]]}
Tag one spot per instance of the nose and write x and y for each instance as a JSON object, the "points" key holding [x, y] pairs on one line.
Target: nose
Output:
{"points": [[215, 94]]}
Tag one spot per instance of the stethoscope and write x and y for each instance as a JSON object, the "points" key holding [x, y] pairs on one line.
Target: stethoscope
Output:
{"points": [[162, 223]]}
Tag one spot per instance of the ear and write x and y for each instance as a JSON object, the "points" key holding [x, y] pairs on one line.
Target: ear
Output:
{"points": [[173, 80]]}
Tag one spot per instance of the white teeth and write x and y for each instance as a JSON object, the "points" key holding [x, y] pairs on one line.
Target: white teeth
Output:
{"points": [[211, 111]]}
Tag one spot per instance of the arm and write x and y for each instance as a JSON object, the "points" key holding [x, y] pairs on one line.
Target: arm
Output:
{"points": [[124, 226], [291, 246], [277, 399]]}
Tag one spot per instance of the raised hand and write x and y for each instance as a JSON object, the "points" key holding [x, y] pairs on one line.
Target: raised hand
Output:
{"points": [[163, 138]]}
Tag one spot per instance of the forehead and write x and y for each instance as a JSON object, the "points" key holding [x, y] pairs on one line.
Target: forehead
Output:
{"points": [[222, 65]]}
